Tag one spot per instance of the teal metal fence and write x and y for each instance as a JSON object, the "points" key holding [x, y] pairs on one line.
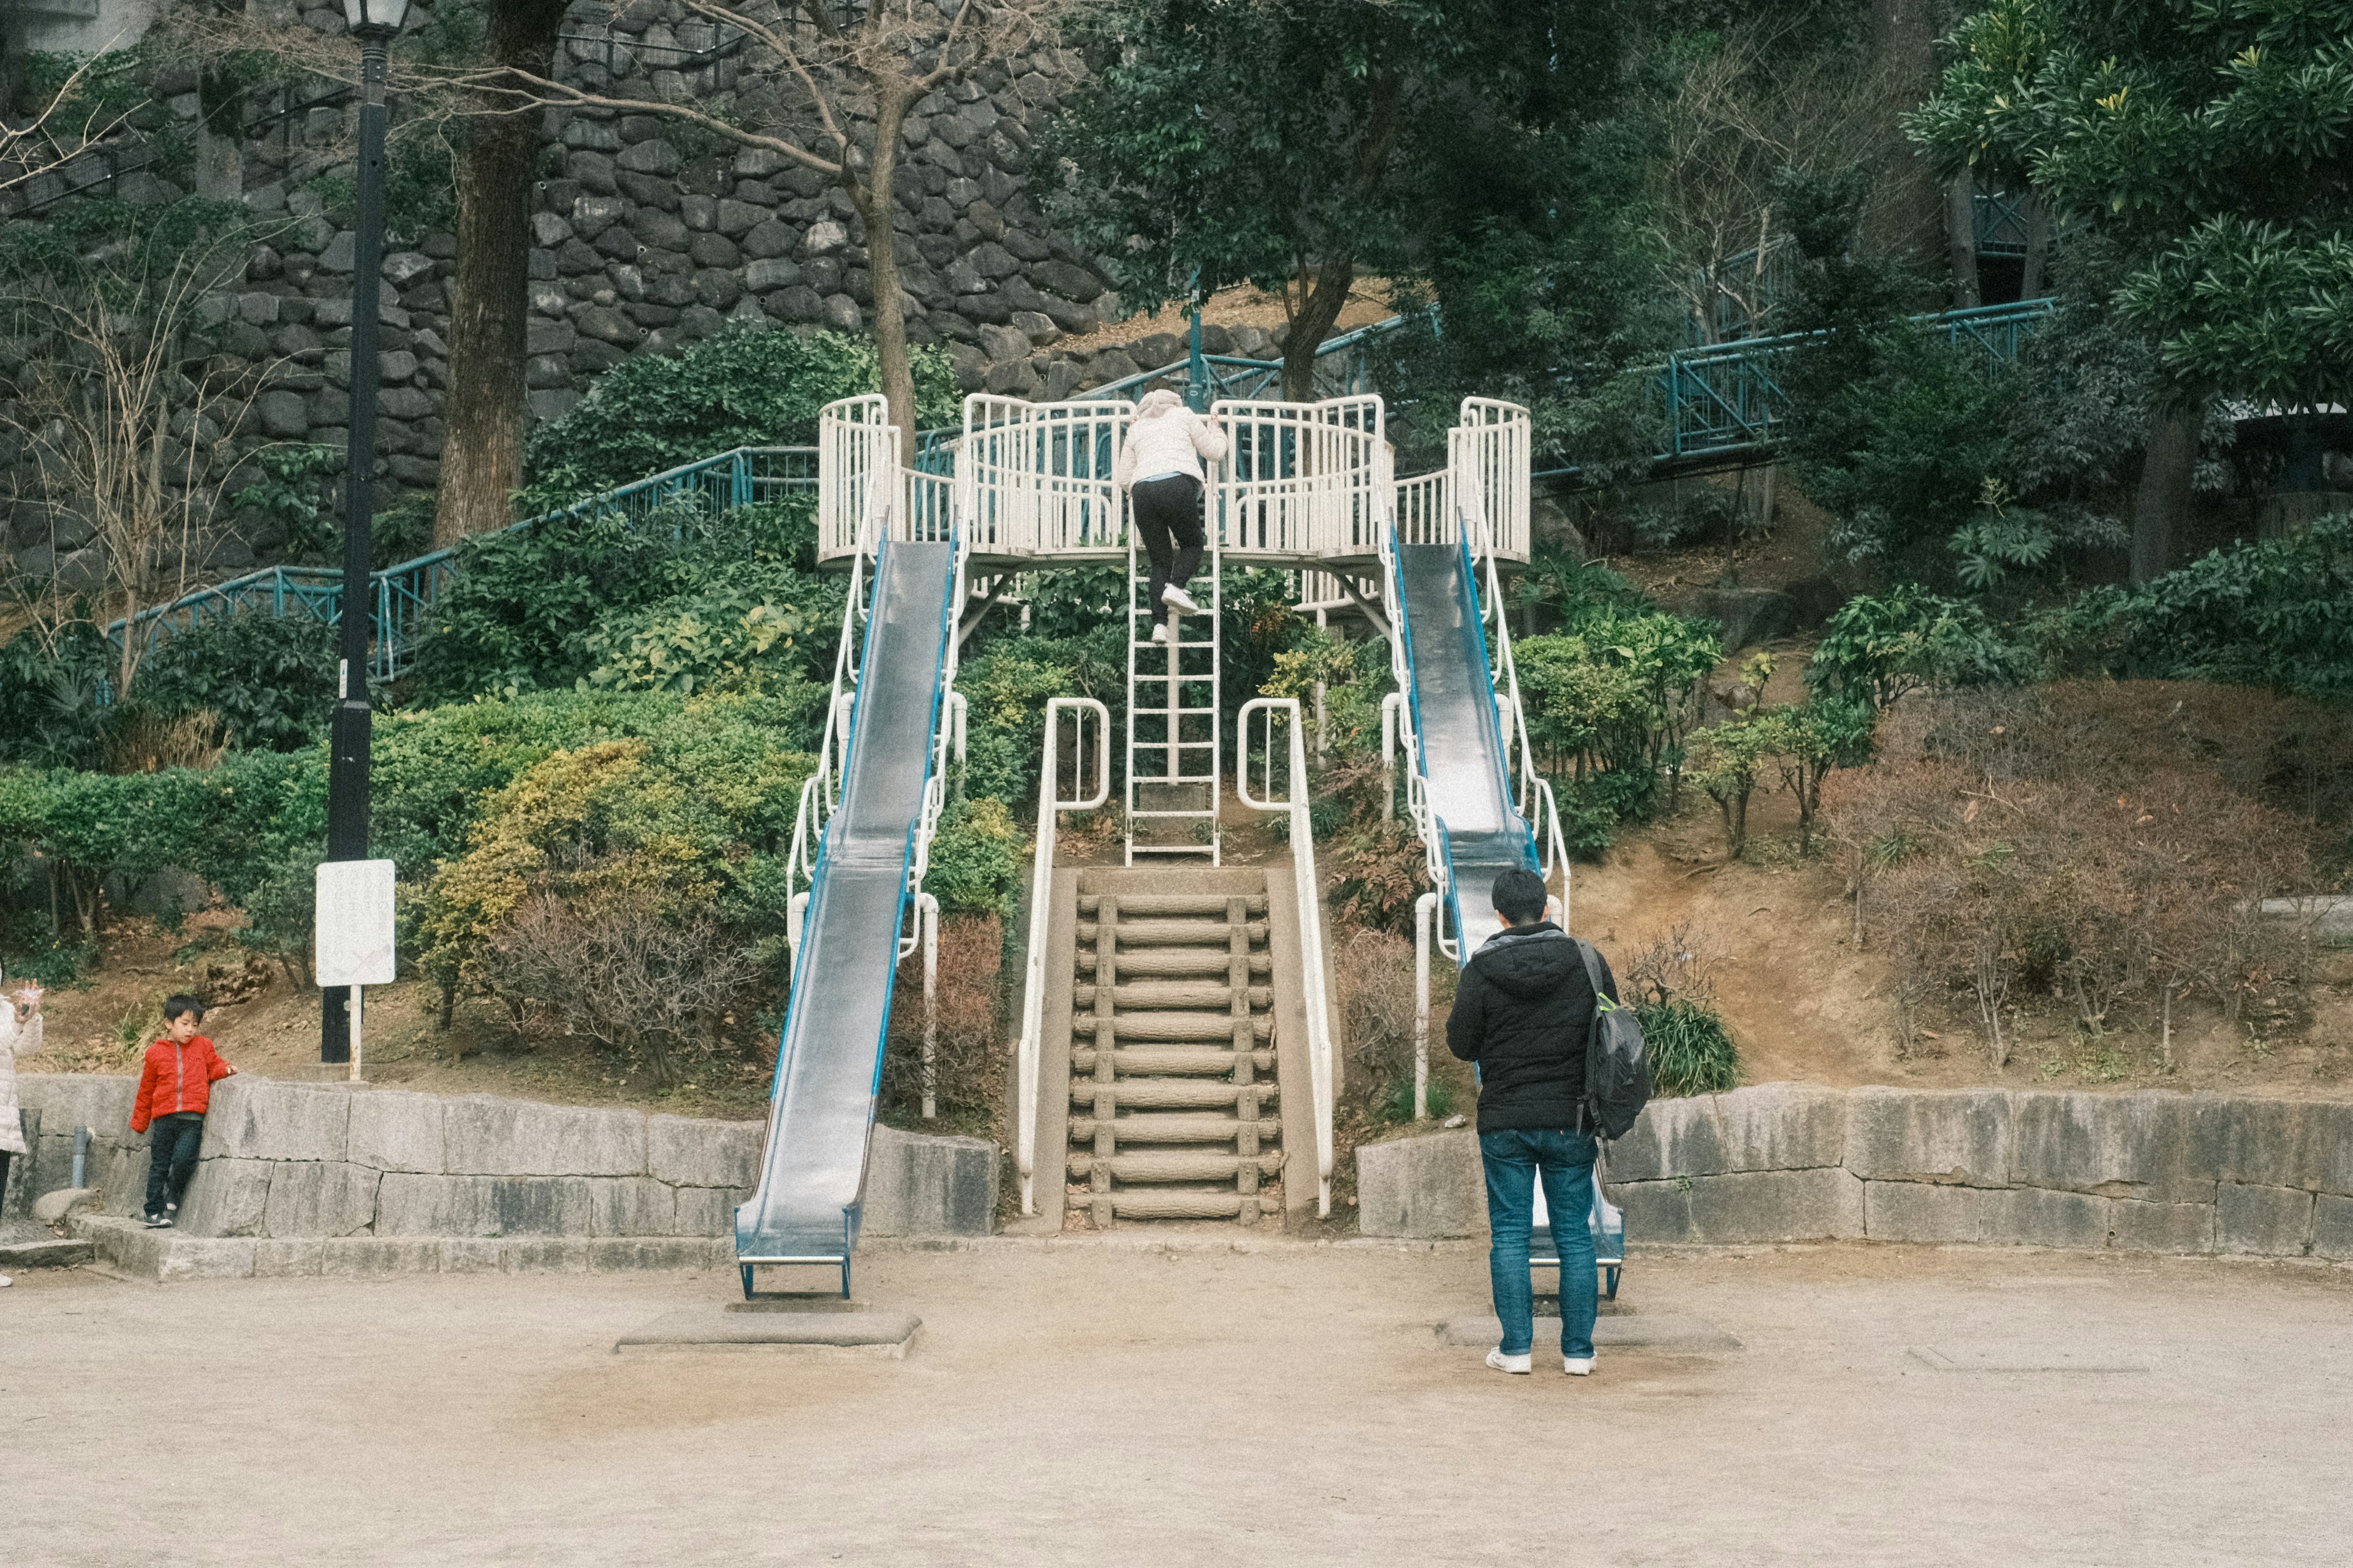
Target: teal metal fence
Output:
{"points": [[1722, 402]]}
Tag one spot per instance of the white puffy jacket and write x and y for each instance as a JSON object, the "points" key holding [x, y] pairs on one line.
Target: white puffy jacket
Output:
{"points": [[1167, 438]]}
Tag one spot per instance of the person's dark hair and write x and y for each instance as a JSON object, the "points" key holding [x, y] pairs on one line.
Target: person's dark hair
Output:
{"points": [[181, 1002], [1519, 895]]}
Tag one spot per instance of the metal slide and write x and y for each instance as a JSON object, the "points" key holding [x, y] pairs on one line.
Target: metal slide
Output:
{"points": [[830, 1063], [1466, 787]]}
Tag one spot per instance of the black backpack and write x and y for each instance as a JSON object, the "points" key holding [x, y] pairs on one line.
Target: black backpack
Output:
{"points": [[1616, 1063]]}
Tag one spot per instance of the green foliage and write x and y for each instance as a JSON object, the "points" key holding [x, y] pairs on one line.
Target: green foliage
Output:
{"points": [[671, 597], [1613, 694], [270, 679], [1806, 742], [420, 190], [2210, 142], [1726, 764], [1875, 649], [2271, 613], [975, 858], [50, 715], [124, 248], [296, 490], [1689, 1049], [747, 386], [1007, 688]]}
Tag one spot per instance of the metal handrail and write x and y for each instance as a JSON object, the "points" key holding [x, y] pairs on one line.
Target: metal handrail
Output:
{"points": [[1308, 893], [1041, 910]]}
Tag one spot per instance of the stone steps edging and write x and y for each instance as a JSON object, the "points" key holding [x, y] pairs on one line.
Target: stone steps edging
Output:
{"points": [[2144, 1170]]}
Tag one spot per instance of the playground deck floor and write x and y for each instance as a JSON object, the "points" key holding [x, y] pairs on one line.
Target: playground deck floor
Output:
{"points": [[1101, 1400]]}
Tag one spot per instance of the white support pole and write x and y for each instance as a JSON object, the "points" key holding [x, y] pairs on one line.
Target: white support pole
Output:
{"points": [[795, 916], [1425, 913], [929, 910], [1392, 713], [357, 991]]}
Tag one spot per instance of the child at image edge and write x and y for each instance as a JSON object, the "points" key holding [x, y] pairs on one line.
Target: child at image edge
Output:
{"points": [[175, 1088]]}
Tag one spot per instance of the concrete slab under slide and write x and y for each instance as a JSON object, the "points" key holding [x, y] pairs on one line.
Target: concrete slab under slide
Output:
{"points": [[854, 1330]]}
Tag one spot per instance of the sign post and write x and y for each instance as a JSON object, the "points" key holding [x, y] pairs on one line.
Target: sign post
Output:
{"points": [[353, 938]]}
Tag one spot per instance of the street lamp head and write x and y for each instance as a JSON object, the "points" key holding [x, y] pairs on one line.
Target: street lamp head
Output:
{"points": [[383, 18]]}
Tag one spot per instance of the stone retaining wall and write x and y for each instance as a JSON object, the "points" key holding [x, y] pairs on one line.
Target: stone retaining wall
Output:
{"points": [[2143, 1171], [286, 1160]]}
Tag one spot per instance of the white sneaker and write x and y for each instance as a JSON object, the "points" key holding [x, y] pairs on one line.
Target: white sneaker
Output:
{"points": [[1160, 631], [1576, 1365], [5, 1282], [1173, 595], [1516, 1364]]}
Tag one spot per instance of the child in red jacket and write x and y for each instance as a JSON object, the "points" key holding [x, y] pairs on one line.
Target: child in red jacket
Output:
{"points": [[176, 1089]]}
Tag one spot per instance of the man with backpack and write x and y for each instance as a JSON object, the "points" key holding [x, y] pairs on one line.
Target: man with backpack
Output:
{"points": [[1526, 1014]]}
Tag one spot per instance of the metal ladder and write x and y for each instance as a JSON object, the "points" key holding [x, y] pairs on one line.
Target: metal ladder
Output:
{"points": [[1173, 734]]}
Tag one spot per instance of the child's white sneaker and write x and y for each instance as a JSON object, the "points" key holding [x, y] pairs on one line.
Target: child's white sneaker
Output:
{"points": [[5, 1282], [1160, 631], [1576, 1365], [158, 1221], [1173, 595], [1517, 1364]]}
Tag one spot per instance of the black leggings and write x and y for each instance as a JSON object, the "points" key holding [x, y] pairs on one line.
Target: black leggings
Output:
{"points": [[1168, 520], [4, 1157]]}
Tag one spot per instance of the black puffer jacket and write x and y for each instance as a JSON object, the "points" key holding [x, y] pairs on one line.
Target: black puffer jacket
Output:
{"points": [[1521, 1012]]}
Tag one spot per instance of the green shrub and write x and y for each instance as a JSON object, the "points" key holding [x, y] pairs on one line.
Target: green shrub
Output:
{"points": [[747, 386], [1690, 1050], [545, 606], [268, 680], [1876, 650], [2273, 614], [976, 862]]}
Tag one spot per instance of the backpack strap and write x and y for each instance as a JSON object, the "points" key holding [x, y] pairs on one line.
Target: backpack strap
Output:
{"points": [[1596, 972]]}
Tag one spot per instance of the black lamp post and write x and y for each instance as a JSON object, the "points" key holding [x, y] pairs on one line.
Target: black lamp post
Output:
{"points": [[376, 23]]}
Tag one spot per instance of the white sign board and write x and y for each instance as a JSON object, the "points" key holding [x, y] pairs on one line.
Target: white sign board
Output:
{"points": [[355, 933]]}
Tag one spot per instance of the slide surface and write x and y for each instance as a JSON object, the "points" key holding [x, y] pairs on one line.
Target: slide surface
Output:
{"points": [[822, 1108], [1468, 783]]}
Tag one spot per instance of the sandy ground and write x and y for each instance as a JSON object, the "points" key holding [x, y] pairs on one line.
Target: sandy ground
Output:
{"points": [[1080, 1402]]}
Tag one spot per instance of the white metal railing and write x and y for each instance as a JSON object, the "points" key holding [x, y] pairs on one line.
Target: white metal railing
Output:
{"points": [[1489, 449], [1301, 479], [1307, 892], [856, 442], [1041, 908], [1038, 476]]}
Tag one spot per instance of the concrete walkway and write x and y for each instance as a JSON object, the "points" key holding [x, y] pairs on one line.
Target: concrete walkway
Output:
{"points": [[1081, 1401]]}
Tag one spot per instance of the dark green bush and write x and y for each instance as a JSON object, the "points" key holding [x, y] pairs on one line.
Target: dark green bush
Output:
{"points": [[748, 386], [270, 679], [1874, 650], [1690, 1050], [976, 860]]}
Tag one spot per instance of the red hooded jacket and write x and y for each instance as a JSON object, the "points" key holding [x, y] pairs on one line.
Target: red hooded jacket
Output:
{"points": [[177, 1078]]}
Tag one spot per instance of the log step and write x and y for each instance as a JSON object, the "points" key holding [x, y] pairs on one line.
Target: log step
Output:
{"points": [[1174, 1165], [1177, 1203], [1172, 934], [1148, 1061], [1176, 1129], [1174, 1025], [1172, 1093], [1169, 962], [1147, 904], [1217, 996]]}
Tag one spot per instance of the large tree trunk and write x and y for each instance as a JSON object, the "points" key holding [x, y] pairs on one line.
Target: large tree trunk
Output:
{"points": [[1906, 218], [1326, 299], [2162, 507], [1961, 239], [875, 201], [481, 460]]}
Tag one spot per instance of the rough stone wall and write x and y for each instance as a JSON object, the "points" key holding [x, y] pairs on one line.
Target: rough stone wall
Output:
{"points": [[2144, 1172], [284, 1160], [648, 236]]}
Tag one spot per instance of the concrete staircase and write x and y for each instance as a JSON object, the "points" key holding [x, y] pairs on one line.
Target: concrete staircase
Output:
{"points": [[1175, 1080]]}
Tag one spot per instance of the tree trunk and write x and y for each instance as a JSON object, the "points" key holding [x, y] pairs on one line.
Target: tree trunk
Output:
{"points": [[1961, 239], [481, 459], [1903, 218], [1326, 299], [2162, 506], [875, 200], [2038, 244]]}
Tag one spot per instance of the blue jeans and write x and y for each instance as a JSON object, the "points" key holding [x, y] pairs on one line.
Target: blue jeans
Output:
{"points": [[1514, 1161]]}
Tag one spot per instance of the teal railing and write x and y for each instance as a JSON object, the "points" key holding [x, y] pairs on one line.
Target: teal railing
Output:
{"points": [[1721, 401]]}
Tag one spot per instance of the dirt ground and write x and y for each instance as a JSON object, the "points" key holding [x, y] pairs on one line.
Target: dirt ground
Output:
{"points": [[1241, 306], [1084, 1401]]}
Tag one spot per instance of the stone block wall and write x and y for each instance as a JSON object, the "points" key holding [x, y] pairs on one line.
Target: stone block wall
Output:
{"points": [[2141, 1172], [648, 236], [286, 1160]]}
